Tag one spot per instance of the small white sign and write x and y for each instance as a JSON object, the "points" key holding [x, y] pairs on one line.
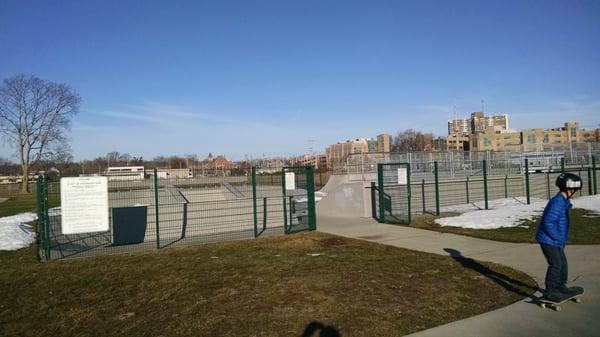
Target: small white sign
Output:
{"points": [[402, 176], [290, 181], [84, 204]]}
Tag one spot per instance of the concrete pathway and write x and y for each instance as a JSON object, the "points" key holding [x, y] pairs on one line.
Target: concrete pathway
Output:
{"points": [[523, 318]]}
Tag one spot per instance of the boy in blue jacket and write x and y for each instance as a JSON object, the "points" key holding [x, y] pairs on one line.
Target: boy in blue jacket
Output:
{"points": [[552, 235]]}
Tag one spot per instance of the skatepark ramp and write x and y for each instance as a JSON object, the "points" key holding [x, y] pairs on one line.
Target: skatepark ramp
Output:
{"points": [[347, 196]]}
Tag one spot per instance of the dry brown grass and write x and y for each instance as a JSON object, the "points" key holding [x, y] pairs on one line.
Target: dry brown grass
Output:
{"points": [[268, 287]]}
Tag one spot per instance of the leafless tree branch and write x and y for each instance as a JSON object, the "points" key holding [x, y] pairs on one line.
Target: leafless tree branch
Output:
{"points": [[34, 115]]}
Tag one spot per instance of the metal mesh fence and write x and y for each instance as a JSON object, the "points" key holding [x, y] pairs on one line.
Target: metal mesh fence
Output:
{"points": [[394, 197], [298, 199], [438, 187], [158, 212], [542, 156]]}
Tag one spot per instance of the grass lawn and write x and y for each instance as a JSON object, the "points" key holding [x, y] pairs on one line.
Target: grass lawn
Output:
{"points": [[584, 228], [18, 203], [273, 286]]}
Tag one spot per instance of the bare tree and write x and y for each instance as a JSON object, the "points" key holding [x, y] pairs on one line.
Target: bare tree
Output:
{"points": [[34, 116], [411, 140]]}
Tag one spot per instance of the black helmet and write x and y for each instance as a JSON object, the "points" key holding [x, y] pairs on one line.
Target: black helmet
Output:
{"points": [[568, 181]]}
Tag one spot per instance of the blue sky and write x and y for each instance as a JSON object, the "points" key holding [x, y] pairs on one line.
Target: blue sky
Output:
{"points": [[275, 77]]}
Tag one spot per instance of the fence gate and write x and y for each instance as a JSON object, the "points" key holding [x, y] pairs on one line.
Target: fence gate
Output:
{"points": [[393, 200], [298, 189]]}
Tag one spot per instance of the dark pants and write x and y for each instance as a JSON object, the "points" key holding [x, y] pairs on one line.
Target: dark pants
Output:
{"points": [[558, 270]]}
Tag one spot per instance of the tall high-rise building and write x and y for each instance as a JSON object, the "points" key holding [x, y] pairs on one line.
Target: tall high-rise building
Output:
{"points": [[478, 122]]}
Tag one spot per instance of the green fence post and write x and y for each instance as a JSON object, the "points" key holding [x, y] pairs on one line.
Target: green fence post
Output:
{"points": [[467, 188], [589, 179], [485, 187], [373, 200], [437, 188], [43, 218], [581, 189], [254, 201], [423, 194], [562, 165], [506, 186], [46, 217], [40, 226], [527, 181], [594, 176], [408, 192], [285, 224], [310, 189], [381, 217], [156, 208], [264, 213]]}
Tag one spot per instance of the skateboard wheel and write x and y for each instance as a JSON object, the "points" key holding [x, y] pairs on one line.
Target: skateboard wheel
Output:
{"points": [[557, 308], [578, 300]]}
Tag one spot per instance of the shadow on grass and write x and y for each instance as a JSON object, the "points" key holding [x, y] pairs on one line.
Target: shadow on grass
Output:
{"points": [[506, 282], [324, 330]]}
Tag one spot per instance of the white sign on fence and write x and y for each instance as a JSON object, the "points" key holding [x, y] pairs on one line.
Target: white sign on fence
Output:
{"points": [[84, 204], [290, 181], [402, 176]]}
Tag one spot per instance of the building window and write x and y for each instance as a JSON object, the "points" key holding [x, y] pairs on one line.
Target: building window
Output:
{"points": [[573, 132], [531, 139], [487, 142], [546, 138]]}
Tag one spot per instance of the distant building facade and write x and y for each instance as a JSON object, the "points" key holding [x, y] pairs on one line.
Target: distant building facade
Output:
{"points": [[531, 139], [457, 141], [340, 151], [462, 132], [316, 161], [219, 162], [478, 122]]}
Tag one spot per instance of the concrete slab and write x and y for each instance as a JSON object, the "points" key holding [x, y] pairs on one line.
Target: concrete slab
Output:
{"points": [[523, 318]]}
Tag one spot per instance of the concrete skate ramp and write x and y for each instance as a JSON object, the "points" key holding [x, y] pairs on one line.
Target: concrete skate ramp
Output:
{"points": [[345, 198]]}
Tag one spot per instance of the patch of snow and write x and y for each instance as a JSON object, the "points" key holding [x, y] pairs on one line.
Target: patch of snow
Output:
{"points": [[492, 204], [591, 203], [55, 211], [506, 212], [320, 194], [15, 233]]}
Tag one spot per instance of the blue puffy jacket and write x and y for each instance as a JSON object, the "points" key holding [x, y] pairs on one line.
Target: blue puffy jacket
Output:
{"points": [[554, 226]]}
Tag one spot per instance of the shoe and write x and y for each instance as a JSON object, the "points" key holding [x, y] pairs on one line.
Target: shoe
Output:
{"points": [[554, 296], [571, 291]]}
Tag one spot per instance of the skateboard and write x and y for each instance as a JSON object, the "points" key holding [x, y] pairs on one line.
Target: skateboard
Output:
{"points": [[545, 303]]}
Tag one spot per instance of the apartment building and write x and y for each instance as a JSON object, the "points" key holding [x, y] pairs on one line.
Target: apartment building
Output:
{"points": [[317, 161], [494, 141], [481, 123], [461, 131], [457, 141], [478, 122], [531, 139], [340, 151]]}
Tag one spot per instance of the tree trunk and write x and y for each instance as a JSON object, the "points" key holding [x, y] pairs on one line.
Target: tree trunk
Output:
{"points": [[25, 170], [25, 186]]}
